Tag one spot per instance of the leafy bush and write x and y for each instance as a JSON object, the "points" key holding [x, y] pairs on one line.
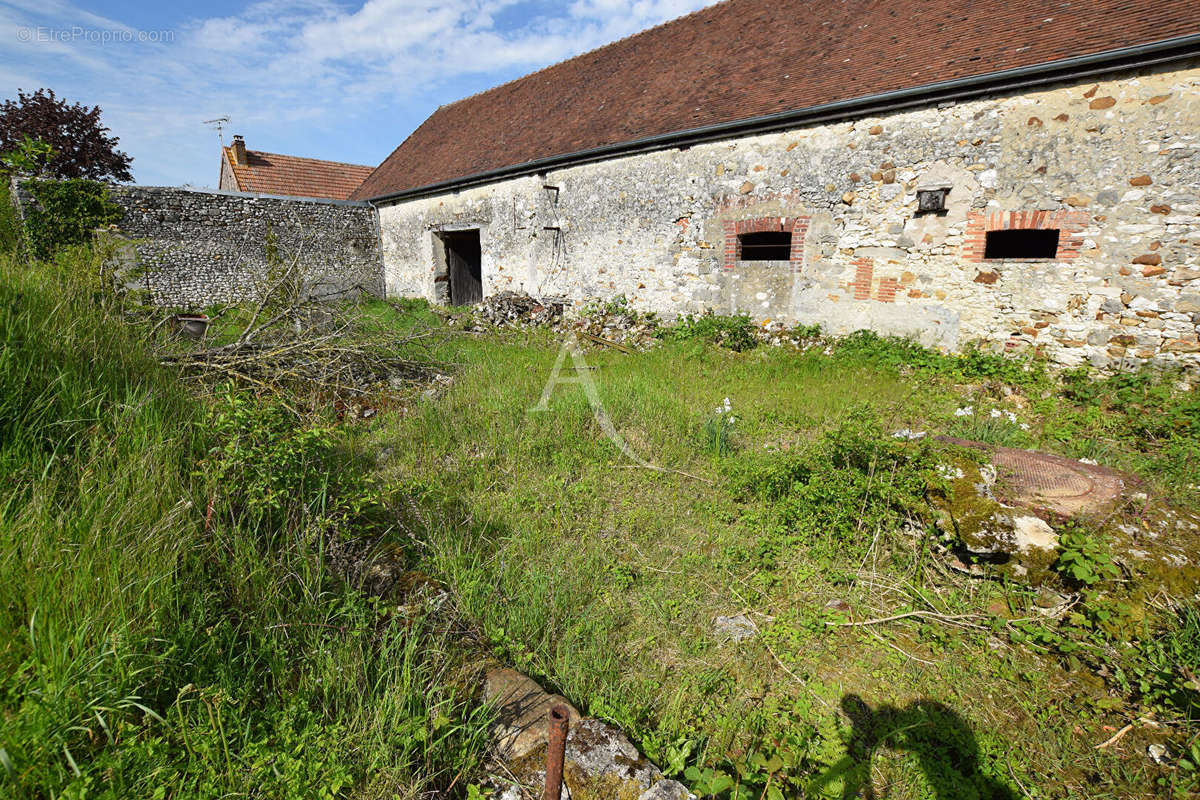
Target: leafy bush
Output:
{"points": [[1166, 667], [973, 364], [1085, 557], [778, 769], [267, 465], [850, 483], [736, 333], [65, 213]]}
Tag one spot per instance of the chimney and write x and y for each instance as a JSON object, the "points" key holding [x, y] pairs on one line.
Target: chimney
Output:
{"points": [[239, 150]]}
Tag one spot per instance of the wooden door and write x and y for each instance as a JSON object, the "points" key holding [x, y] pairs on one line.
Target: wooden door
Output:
{"points": [[464, 259]]}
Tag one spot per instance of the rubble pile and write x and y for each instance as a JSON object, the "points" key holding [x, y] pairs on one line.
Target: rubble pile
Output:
{"points": [[781, 334], [614, 323], [620, 326], [520, 310]]}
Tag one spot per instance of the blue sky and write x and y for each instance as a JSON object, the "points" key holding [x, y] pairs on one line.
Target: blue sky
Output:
{"points": [[347, 81]]}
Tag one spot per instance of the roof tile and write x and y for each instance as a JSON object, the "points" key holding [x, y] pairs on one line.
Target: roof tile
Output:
{"points": [[744, 58], [272, 173]]}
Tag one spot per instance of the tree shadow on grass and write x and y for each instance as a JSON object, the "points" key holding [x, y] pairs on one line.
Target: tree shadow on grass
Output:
{"points": [[938, 736]]}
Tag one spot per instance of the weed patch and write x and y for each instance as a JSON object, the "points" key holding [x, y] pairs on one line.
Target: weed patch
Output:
{"points": [[172, 623]]}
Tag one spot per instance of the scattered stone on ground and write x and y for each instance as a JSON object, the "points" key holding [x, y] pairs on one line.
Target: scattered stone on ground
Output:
{"points": [[520, 310], [600, 762], [736, 628], [625, 328], [612, 321], [522, 712], [439, 384]]}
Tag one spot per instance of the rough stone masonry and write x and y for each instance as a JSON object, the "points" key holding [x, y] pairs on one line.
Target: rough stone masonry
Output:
{"points": [[1110, 166], [195, 248]]}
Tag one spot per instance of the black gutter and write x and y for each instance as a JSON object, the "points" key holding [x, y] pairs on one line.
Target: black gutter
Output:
{"points": [[1167, 50]]}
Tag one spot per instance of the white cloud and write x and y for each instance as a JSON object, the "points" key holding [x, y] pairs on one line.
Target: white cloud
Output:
{"points": [[281, 67]]}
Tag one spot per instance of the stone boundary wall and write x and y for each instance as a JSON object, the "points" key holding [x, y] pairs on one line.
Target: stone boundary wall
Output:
{"points": [[1112, 163], [194, 248]]}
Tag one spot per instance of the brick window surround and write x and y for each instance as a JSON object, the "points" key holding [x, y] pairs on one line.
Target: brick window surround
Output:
{"points": [[1069, 223], [796, 226]]}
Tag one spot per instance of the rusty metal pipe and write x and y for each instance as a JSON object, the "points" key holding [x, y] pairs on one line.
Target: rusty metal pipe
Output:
{"points": [[559, 721]]}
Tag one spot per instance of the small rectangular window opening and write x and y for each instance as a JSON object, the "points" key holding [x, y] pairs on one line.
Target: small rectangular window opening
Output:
{"points": [[766, 246], [1022, 243]]}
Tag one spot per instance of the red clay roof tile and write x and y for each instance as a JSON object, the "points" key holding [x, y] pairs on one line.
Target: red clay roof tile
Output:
{"points": [[745, 58], [272, 173]]}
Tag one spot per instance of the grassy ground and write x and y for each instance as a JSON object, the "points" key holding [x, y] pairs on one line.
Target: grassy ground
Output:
{"points": [[170, 623], [173, 626], [604, 579]]}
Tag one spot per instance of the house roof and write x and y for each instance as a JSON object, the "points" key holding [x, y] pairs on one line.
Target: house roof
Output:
{"points": [[272, 173], [742, 59]]}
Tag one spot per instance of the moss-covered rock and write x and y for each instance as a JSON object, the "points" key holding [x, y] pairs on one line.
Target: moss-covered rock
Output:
{"points": [[984, 530]]}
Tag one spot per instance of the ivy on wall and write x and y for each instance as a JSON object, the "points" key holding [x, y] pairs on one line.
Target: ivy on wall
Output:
{"points": [[65, 213]]}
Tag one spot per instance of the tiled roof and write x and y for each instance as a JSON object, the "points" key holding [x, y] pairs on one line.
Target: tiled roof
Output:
{"points": [[271, 173], [745, 58]]}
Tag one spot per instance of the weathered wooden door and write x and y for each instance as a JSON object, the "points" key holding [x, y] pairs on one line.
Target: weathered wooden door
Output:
{"points": [[464, 258]]}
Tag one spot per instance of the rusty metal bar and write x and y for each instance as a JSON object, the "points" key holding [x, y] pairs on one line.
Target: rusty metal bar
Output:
{"points": [[559, 720]]}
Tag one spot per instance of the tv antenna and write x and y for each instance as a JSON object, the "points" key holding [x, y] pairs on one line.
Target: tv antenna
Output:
{"points": [[220, 122]]}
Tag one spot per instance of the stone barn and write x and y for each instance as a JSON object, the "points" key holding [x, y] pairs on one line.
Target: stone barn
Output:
{"points": [[1022, 175]]}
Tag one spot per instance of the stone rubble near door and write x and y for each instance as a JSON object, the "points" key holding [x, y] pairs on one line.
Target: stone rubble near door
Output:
{"points": [[517, 309]]}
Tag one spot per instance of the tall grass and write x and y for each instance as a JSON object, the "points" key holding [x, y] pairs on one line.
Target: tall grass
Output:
{"points": [[147, 653], [604, 579]]}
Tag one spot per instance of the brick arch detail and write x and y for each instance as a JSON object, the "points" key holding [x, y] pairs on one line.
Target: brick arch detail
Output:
{"points": [[1070, 223], [797, 226]]}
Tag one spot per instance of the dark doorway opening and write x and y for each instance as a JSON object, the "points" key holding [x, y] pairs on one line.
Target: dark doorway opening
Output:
{"points": [[1022, 243], [464, 262], [766, 246]]}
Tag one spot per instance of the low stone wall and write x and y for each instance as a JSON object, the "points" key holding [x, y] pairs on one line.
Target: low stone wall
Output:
{"points": [[194, 248]]}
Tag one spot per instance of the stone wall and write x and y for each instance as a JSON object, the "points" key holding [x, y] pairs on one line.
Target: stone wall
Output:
{"points": [[1113, 165], [195, 247]]}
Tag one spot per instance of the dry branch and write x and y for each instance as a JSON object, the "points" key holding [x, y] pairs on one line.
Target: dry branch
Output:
{"points": [[293, 342]]}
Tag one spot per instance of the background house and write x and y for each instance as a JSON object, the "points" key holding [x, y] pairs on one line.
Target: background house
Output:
{"points": [[254, 171]]}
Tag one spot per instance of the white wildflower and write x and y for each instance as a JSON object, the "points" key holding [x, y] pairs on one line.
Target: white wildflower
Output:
{"points": [[908, 433], [995, 413], [1024, 426], [1011, 417], [950, 472], [965, 411], [727, 406]]}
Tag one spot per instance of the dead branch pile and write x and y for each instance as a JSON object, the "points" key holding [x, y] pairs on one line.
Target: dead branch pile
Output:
{"points": [[285, 353], [291, 342]]}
